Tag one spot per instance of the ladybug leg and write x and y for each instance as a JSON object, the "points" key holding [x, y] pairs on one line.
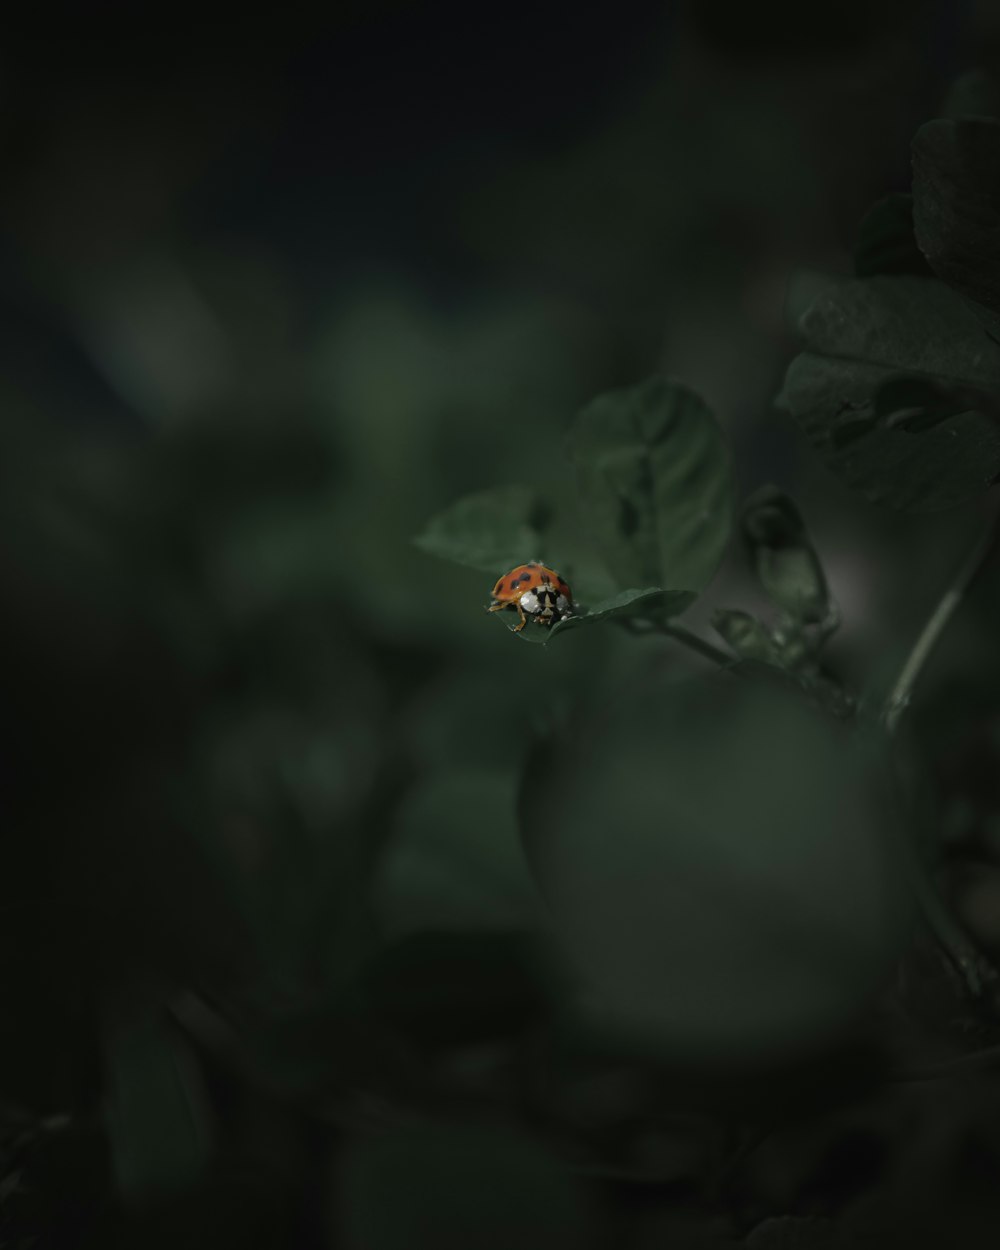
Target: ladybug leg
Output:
{"points": [[501, 607]]}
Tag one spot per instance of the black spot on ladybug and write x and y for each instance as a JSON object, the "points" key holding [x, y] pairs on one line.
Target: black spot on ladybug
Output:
{"points": [[525, 577], [514, 583]]}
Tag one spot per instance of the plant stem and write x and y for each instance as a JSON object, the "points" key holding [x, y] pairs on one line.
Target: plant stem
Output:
{"points": [[690, 640], [967, 960], [701, 645], [901, 693]]}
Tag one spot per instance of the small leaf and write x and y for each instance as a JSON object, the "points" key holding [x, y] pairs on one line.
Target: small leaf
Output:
{"points": [[787, 567], [491, 530], [792, 654], [956, 208], [886, 242], [748, 637], [655, 482], [861, 335], [651, 603]]}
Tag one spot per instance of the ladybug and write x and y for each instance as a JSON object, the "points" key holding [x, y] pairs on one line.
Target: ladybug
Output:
{"points": [[533, 591]]}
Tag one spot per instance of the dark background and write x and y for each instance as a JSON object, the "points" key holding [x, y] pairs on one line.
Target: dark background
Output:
{"points": [[271, 296]]}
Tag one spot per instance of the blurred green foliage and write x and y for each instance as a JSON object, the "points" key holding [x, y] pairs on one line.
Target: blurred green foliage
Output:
{"points": [[332, 916]]}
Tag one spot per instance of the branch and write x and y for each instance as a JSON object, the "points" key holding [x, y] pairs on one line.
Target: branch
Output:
{"points": [[690, 640], [970, 964], [701, 645], [970, 568]]}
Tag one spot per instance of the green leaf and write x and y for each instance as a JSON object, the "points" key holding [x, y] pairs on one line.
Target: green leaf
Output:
{"points": [[868, 332], [787, 567], [157, 1112], [748, 637], [454, 1187], [454, 860], [655, 482], [886, 242], [792, 654], [651, 603], [956, 208], [491, 530], [714, 858]]}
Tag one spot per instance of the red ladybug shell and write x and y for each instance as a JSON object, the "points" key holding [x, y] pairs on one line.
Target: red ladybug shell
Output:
{"points": [[531, 576]]}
